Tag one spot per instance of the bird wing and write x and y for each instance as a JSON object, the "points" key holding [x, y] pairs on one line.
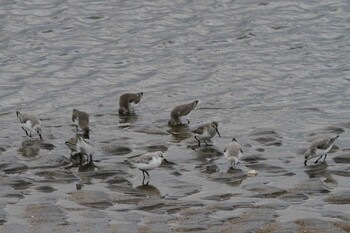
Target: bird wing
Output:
{"points": [[183, 110], [323, 143], [145, 158], [199, 130]]}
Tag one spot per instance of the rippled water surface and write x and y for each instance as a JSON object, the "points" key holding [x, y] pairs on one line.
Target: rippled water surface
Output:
{"points": [[274, 74]]}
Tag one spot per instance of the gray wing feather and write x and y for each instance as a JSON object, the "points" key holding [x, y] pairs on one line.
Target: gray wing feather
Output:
{"points": [[145, 158]]}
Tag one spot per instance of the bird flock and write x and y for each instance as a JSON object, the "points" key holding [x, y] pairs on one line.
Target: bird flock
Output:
{"points": [[81, 146]]}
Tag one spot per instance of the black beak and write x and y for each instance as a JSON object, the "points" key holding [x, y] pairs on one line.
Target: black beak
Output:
{"points": [[40, 137], [166, 161], [218, 132], [305, 162], [17, 112]]}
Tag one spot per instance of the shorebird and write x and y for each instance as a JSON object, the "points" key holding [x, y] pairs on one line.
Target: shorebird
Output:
{"points": [[206, 131], [149, 161], [127, 103], [84, 147], [180, 111], [81, 119], [233, 152], [319, 147], [31, 123]]}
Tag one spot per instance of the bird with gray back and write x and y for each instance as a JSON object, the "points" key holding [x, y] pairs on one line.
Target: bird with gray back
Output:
{"points": [[30, 123], [148, 161], [319, 147], [205, 132], [181, 111], [233, 152], [81, 120], [127, 103]]}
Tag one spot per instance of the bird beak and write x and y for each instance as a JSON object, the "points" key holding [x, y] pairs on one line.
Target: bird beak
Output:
{"points": [[218, 132], [166, 161], [40, 137], [305, 162]]}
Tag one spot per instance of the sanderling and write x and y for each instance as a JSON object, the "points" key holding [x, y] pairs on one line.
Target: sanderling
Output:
{"points": [[72, 145], [31, 123], [149, 161], [81, 119], [206, 131], [319, 147], [233, 152], [84, 147], [127, 102], [180, 111]]}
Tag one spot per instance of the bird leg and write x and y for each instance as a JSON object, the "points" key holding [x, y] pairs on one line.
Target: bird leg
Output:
{"points": [[144, 177], [199, 142], [81, 159], [90, 161], [147, 173], [325, 156], [206, 144], [318, 159], [25, 131]]}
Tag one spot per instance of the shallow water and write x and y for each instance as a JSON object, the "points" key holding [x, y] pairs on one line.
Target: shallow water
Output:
{"points": [[274, 74]]}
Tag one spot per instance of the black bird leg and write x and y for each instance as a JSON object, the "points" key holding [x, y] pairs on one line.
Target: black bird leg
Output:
{"points": [[25, 131], [319, 158], [325, 156], [199, 142], [144, 177]]}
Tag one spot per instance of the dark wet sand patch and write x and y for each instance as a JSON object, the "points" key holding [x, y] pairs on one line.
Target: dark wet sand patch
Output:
{"points": [[339, 198], [264, 191], [13, 168], [220, 197], [344, 158], [45, 189], [113, 149], [57, 176], [92, 199]]}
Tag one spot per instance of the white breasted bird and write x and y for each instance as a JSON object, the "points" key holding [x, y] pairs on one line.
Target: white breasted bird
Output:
{"points": [[148, 161], [319, 147], [206, 131], [233, 152], [31, 123]]}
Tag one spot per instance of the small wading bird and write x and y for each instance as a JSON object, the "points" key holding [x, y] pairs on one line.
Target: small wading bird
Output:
{"points": [[181, 111], [81, 120], [319, 147], [31, 123], [149, 161], [127, 103], [205, 132], [233, 152]]}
